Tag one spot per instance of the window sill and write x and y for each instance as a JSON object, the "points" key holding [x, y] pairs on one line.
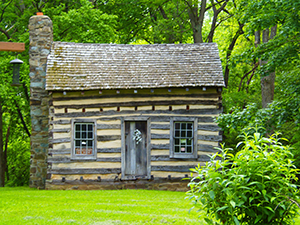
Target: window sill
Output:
{"points": [[84, 159], [183, 156]]}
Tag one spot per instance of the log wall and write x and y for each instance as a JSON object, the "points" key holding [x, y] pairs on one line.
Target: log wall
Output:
{"points": [[108, 108]]}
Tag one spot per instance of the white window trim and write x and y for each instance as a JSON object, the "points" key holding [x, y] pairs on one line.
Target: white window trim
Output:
{"points": [[192, 155], [93, 156]]}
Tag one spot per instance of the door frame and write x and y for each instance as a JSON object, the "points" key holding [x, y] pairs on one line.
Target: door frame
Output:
{"points": [[123, 143]]}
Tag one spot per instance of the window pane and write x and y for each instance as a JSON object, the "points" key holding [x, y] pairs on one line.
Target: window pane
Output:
{"points": [[182, 134], [176, 148], [189, 149], [77, 143], [183, 142], [77, 127], [189, 134], [77, 135], [189, 126], [90, 143], [90, 127], [177, 134], [189, 141], [176, 141], [89, 151], [83, 127], [84, 135], [83, 143], [77, 151], [182, 149], [183, 126], [177, 125], [90, 134]]}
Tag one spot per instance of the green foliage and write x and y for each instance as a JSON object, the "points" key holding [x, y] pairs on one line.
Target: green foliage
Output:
{"points": [[18, 162], [253, 186], [156, 21], [282, 115], [284, 49], [84, 24]]}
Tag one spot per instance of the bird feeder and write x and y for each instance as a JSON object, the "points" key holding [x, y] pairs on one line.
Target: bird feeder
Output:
{"points": [[16, 71]]}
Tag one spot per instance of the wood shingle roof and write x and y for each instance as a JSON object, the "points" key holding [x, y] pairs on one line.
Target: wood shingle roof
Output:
{"points": [[77, 66]]}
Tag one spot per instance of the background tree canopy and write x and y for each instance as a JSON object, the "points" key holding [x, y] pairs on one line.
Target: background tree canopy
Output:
{"points": [[258, 40]]}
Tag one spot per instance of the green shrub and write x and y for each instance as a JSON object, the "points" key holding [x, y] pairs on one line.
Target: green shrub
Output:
{"points": [[253, 186]]}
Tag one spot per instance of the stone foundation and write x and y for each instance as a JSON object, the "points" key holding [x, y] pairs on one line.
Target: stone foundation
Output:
{"points": [[156, 184]]}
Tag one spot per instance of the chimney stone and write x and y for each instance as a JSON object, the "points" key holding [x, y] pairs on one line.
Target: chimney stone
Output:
{"points": [[41, 38]]}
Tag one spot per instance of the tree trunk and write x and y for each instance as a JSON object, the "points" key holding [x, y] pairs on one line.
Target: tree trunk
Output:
{"points": [[267, 83], [5, 150], [267, 89], [214, 21], [2, 166], [196, 21]]}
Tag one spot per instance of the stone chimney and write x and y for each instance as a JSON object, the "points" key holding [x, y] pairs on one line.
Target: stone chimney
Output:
{"points": [[40, 37]]}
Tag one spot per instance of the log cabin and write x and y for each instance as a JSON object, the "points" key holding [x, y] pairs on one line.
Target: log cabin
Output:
{"points": [[112, 116]]}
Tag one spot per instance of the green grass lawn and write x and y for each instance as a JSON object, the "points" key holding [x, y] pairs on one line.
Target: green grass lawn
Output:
{"points": [[31, 206]]}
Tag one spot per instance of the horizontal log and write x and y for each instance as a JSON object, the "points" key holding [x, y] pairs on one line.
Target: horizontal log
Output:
{"points": [[85, 171], [108, 126], [66, 130], [160, 126], [99, 138], [108, 137], [201, 119], [201, 158], [60, 140], [140, 96], [160, 147], [142, 103], [201, 147], [200, 137], [60, 122], [156, 112], [209, 127], [69, 160], [210, 137], [172, 168], [207, 148], [154, 118], [59, 151], [109, 150]]}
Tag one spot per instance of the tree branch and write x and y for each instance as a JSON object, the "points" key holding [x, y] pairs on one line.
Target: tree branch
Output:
{"points": [[1, 18], [251, 71], [22, 119], [229, 51], [5, 33]]}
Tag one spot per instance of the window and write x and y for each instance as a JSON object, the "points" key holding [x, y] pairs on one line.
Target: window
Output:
{"points": [[84, 141], [183, 138]]}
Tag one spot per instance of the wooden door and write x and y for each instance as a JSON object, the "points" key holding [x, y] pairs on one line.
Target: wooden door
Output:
{"points": [[135, 149]]}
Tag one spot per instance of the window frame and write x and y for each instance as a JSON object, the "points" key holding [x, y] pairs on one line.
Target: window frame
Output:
{"points": [[74, 156], [194, 153]]}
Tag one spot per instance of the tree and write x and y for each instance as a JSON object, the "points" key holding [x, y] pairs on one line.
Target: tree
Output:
{"points": [[276, 51]]}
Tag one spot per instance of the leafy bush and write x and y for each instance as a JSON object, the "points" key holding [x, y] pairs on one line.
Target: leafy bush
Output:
{"points": [[253, 186], [18, 161]]}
